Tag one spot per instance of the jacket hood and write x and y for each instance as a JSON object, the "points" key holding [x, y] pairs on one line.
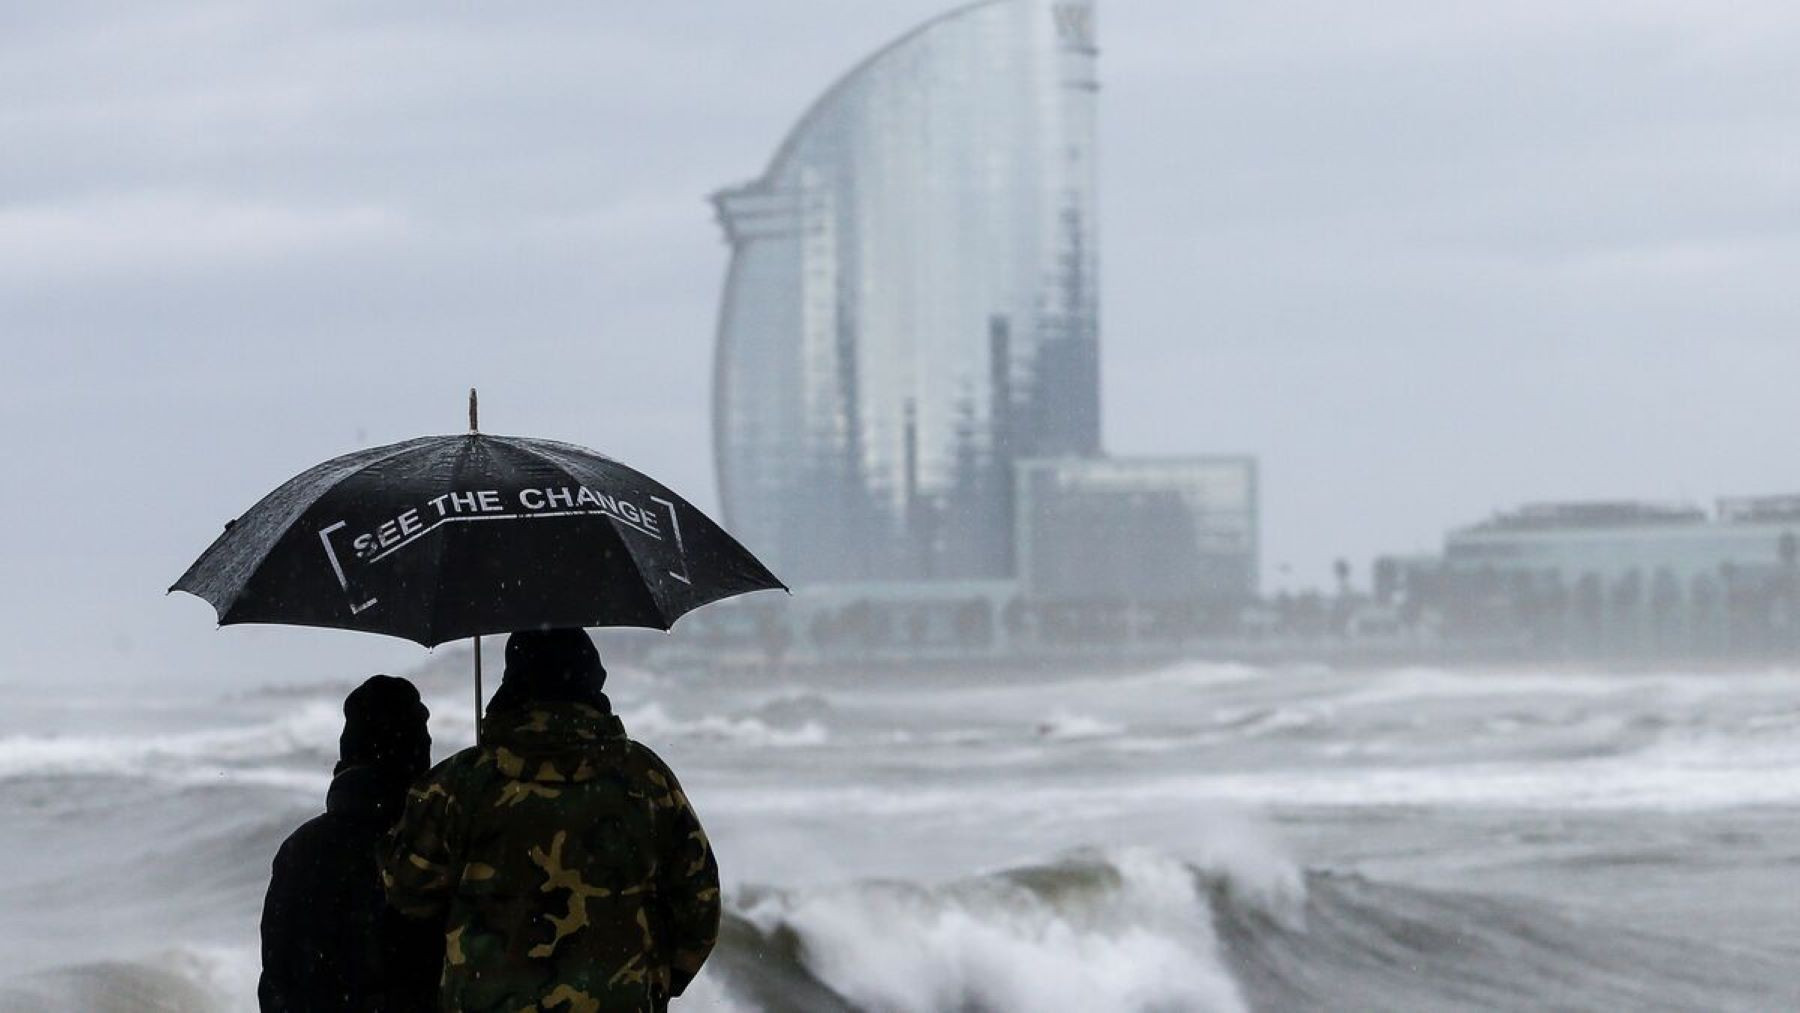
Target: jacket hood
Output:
{"points": [[545, 666], [384, 726], [367, 795], [552, 742]]}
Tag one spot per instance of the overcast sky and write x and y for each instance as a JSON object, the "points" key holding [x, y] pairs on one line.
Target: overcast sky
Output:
{"points": [[1424, 260]]}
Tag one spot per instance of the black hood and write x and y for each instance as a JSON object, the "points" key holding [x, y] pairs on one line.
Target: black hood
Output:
{"points": [[550, 666], [384, 727]]}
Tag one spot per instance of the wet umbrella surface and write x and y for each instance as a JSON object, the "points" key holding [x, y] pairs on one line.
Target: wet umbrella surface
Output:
{"points": [[445, 537]]}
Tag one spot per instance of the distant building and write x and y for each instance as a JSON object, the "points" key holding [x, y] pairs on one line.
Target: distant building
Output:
{"points": [[1568, 542], [912, 302], [1146, 530], [1616, 579], [907, 383]]}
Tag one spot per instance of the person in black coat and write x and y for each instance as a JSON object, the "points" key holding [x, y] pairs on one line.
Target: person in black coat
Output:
{"points": [[329, 940]]}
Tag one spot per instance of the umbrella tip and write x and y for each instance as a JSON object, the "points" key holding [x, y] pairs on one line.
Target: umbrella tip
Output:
{"points": [[474, 412]]}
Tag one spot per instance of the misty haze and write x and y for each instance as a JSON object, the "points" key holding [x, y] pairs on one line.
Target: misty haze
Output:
{"points": [[1105, 506]]}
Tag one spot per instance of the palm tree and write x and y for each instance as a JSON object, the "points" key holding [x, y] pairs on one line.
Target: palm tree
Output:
{"points": [[1788, 549], [1628, 595], [1340, 617], [1730, 604], [1704, 612], [1665, 604], [1590, 609], [1555, 611]]}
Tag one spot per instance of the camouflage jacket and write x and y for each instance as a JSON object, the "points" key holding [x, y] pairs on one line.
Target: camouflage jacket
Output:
{"points": [[572, 871]]}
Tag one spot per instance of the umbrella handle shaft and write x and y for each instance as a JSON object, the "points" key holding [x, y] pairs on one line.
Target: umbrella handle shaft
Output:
{"points": [[478, 691]]}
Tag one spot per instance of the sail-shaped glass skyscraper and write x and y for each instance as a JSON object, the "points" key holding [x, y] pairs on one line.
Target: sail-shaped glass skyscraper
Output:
{"points": [[911, 302]]}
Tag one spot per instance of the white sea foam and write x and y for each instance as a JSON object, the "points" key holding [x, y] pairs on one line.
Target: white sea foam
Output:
{"points": [[1199, 675], [1067, 726], [228, 973], [253, 753], [651, 721], [230, 751], [1129, 932], [942, 781], [1281, 720], [1693, 777], [707, 993], [1417, 684]]}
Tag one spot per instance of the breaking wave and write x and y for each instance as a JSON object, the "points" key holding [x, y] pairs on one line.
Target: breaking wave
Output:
{"points": [[1066, 726], [653, 722], [1127, 930], [250, 753], [174, 829], [295, 749], [1120, 932], [1135, 930]]}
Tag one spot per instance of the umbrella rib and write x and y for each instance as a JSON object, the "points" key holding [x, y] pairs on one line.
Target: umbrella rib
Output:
{"points": [[440, 545]]}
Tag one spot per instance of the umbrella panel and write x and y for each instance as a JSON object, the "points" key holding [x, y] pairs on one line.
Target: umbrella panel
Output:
{"points": [[465, 578]]}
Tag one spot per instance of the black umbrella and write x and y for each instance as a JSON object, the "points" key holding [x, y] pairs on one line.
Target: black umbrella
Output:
{"points": [[446, 537]]}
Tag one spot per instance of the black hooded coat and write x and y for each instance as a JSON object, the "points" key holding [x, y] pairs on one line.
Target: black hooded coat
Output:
{"points": [[329, 940]]}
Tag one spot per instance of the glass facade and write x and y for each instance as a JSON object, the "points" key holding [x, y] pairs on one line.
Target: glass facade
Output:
{"points": [[911, 303], [1152, 530], [1686, 548], [1625, 579]]}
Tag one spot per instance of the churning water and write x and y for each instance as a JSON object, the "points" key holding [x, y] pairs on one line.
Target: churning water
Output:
{"points": [[1203, 837]]}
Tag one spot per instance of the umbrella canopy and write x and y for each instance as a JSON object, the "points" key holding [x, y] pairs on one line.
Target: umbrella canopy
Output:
{"points": [[445, 537]]}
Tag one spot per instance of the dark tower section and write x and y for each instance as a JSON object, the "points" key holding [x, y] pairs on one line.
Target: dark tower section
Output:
{"points": [[1066, 405], [1000, 465]]}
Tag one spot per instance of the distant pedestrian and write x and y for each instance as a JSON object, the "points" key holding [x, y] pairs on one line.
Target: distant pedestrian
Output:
{"points": [[571, 869], [329, 939]]}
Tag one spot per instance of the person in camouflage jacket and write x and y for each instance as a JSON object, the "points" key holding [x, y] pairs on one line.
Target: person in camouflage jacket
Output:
{"points": [[570, 867]]}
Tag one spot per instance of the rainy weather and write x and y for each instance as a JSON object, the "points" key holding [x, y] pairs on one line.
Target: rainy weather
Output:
{"points": [[907, 506]]}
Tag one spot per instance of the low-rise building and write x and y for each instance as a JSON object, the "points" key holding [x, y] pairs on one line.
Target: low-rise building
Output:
{"points": [[1620, 578], [1176, 530], [1611, 541]]}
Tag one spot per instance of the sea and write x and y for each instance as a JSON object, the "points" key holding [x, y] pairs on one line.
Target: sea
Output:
{"points": [[1201, 836]]}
